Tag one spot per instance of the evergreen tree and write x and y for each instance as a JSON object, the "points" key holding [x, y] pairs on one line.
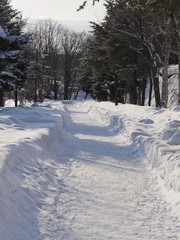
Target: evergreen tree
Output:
{"points": [[13, 65], [137, 30]]}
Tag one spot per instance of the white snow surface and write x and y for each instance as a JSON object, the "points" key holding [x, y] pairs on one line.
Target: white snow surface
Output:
{"points": [[83, 170]]}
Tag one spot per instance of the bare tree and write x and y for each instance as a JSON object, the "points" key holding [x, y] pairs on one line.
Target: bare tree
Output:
{"points": [[82, 6], [71, 43], [62, 47]]}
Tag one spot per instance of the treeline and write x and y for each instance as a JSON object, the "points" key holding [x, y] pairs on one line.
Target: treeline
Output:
{"points": [[130, 49], [40, 56], [56, 51], [118, 60]]}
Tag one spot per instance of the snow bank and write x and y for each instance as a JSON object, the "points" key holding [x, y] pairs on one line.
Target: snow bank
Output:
{"points": [[156, 131], [25, 135]]}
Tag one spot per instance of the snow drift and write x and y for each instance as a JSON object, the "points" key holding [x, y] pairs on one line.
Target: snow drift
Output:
{"points": [[26, 133]]}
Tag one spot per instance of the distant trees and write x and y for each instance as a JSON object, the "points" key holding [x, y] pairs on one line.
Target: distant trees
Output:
{"points": [[132, 44], [71, 44], [44, 55], [12, 42], [62, 48], [52, 51]]}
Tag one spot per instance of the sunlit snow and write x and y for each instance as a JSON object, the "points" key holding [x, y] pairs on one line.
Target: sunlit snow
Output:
{"points": [[84, 170]]}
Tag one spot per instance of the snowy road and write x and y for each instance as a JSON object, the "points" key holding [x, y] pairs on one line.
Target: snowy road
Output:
{"points": [[98, 188]]}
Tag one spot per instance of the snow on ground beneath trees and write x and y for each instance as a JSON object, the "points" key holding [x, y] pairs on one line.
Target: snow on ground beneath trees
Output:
{"points": [[36, 152]]}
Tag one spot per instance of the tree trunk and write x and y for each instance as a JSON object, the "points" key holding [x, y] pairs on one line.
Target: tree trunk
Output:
{"points": [[143, 91], [66, 76], [157, 92], [164, 98], [66, 92], [179, 68], [1, 97], [86, 95], [156, 86], [150, 89], [66, 87], [76, 95], [55, 86], [116, 91], [16, 97], [135, 87]]}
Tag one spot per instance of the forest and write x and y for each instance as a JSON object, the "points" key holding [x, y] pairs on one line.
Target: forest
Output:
{"points": [[118, 60]]}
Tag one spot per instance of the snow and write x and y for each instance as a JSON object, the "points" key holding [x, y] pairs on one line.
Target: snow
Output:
{"points": [[7, 54], [2, 33], [86, 170]]}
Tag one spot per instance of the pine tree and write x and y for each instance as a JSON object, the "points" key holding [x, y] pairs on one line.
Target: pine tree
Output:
{"points": [[11, 62]]}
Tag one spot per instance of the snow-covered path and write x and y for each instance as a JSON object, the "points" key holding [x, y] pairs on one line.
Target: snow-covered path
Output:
{"points": [[77, 171], [97, 187]]}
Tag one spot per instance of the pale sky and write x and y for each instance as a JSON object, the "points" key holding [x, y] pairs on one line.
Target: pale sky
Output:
{"points": [[64, 11]]}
